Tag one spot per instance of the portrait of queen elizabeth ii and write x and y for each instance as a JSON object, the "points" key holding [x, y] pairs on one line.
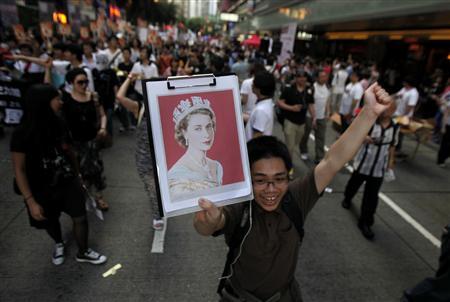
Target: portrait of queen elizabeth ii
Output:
{"points": [[195, 128]]}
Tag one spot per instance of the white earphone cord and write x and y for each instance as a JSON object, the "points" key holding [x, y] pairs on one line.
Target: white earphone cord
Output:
{"points": [[240, 246]]}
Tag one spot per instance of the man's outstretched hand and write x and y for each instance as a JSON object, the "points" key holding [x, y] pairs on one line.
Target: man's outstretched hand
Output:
{"points": [[209, 219]]}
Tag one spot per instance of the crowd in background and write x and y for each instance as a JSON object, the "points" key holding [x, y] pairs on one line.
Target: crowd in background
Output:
{"points": [[89, 82]]}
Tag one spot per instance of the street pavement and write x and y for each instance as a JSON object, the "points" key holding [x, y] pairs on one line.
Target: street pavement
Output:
{"points": [[336, 263]]}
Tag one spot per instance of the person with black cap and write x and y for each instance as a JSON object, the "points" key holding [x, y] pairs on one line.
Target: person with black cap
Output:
{"points": [[294, 101]]}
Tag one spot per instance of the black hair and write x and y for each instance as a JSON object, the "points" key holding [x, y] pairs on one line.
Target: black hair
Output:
{"points": [[112, 37], [265, 147], [410, 80], [26, 46], [91, 44], [265, 82], [127, 49], [357, 73], [257, 67], [73, 73], [40, 124], [218, 64], [60, 46], [75, 50]]}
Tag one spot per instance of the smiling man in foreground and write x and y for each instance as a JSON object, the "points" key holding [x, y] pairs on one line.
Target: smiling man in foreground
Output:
{"points": [[264, 234]]}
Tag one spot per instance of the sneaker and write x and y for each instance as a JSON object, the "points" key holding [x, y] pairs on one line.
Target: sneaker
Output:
{"points": [[92, 257], [304, 156], [121, 129], [158, 224], [366, 231], [58, 254]]}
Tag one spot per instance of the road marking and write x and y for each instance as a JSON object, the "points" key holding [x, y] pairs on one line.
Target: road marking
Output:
{"points": [[402, 213], [158, 239]]}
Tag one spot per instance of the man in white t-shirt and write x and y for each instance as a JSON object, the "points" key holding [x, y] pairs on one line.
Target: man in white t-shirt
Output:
{"points": [[322, 111], [113, 53], [248, 98], [261, 118], [406, 100], [350, 100], [145, 68], [338, 86]]}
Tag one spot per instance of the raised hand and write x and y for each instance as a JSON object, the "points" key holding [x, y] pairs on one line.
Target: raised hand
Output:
{"points": [[210, 215], [376, 99]]}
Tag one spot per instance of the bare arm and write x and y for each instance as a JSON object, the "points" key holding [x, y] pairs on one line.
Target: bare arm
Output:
{"points": [[244, 99], [256, 133], [210, 219], [39, 61], [391, 162], [18, 160], [128, 103], [48, 72], [409, 109], [294, 108], [344, 149], [445, 118]]}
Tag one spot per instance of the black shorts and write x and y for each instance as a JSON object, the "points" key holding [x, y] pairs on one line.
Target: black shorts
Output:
{"points": [[68, 197]]}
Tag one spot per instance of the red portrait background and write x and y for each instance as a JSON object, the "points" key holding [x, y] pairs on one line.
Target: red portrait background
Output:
{"points": [[225, 149]]}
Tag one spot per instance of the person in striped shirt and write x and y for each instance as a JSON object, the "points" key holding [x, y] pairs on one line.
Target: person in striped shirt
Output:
{"points": [[374, 159]]}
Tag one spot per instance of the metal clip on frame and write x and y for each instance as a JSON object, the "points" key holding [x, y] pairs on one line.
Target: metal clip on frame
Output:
{"points": [[191, 81]]}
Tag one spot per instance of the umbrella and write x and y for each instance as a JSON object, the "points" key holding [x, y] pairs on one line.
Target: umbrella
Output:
{"points": [[254, 40]]}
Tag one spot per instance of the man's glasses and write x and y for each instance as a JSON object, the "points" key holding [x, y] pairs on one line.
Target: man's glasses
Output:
{"points": [[276, 182], [82, 82]]}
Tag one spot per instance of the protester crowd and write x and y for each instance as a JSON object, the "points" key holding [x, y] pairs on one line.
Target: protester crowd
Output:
{"points": [[78, 89]]}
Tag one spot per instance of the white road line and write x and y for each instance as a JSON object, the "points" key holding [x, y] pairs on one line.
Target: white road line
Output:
{"points": [[158, 239], [425, 233]]}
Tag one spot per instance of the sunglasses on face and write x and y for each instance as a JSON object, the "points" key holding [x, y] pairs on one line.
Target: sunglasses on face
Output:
{"points": [[82, 82]]}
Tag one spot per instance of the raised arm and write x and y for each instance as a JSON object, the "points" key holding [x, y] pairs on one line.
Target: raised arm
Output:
{"points": [[376, 101], [126, 102], [39, 61]]}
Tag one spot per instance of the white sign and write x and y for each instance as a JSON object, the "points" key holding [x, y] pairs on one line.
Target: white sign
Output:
{"points": [[229, 17], [288, 39]]}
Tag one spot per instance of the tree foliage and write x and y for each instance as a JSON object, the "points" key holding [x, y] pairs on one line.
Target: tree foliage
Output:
{"points": [[195, 24], [152, 12]]}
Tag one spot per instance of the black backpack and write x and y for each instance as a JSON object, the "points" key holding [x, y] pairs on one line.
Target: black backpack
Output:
{"points": [[288, 206]]}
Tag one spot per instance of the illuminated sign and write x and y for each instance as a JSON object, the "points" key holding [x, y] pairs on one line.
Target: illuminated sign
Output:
{"points": [[60, 18], [229, 17]]}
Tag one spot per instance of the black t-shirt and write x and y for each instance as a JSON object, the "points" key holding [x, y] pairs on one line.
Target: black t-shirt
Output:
{"points": [[294, 97], [105, 82], [125, 67], [47, 164], [81, 118]]}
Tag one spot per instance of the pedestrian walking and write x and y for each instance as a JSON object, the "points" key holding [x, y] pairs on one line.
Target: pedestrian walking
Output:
{"points": [[322, 109], [294, 102], [350, 100], [47, 173], [374, 159], [144, 163], [260, 121], [86, 121], [444, 149]]}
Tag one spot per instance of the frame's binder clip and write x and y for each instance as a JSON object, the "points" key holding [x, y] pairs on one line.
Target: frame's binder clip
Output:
{"points": [[191, 81]]}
